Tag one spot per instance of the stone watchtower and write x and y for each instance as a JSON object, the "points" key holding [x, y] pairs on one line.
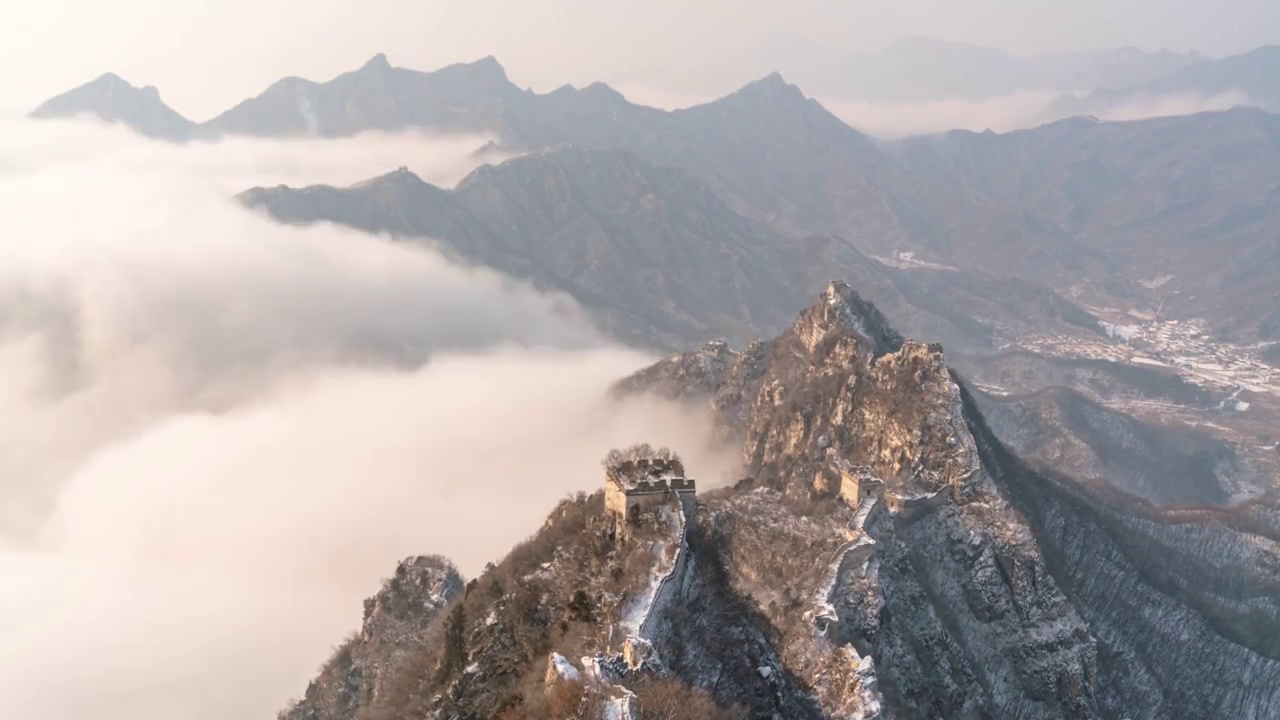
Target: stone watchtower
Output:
{"points": [[636, 481], [858, 483]]}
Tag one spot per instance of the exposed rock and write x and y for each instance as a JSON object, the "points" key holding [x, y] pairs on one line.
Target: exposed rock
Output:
{"points": [[396, 625], [839, 385]]}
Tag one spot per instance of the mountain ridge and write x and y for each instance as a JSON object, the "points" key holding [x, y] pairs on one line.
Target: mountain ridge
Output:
{"points": [[779, 158], [986, 242], [1251, 75], [753, 289], [276, 110], [551, 217]]}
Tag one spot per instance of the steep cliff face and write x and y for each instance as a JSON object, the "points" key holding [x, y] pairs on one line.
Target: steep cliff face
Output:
{"points": [[1184, 604], [952, 609]]}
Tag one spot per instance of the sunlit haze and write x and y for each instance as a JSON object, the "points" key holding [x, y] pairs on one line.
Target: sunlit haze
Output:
{"points": [[258, 347], [205, 56]]}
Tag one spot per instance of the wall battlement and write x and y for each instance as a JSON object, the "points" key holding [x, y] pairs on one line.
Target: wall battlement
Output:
{"points": [[626, 501], [660, 486], [644, 470]]}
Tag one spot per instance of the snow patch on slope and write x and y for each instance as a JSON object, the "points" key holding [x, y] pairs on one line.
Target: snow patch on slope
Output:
{"points": [[564, 668], [308, 115]]}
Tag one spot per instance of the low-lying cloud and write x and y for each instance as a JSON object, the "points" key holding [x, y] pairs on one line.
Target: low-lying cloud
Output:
{"points": [[1018, 111], [1001, 114], [895, 120], [223, 432], [1140, 108], [89, 145]]}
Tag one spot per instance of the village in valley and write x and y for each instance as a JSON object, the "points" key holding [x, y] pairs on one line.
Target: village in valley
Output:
{"points": [[1182, 346], [1245, 388]]}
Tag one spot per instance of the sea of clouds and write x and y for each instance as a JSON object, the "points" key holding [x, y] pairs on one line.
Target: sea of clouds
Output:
{"points": [[221, 432]]}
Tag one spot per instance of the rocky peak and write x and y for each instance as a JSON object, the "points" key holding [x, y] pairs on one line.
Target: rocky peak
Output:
{"points": [[771, 89], [400, 177], [485, 73], [109, 85], [971, 586], [376, 64], [840, 311], [110, 82], [604, 93], [489, 65], [773, 82], [421, 586], [113, 99], [396, 622], [841, 386]]}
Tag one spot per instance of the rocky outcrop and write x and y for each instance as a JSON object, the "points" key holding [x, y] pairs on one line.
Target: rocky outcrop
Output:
{"points": [[954, 611], [839, 385], [396, 624]]}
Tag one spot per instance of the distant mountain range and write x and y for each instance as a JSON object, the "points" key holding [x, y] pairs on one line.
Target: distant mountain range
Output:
{"points": [[737, 207], [658, 258], [478, 96], [917, 69], [654, 254], [914, 70], [467, 97], [718, 220], [1178, 214], [1097, 211], [1249, 79]]}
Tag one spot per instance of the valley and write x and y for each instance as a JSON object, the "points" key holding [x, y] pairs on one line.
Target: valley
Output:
{"points": [[1243, 400]]}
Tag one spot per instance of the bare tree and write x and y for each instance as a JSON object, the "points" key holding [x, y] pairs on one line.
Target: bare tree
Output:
{"points": [[641, 451], [669, 699]]}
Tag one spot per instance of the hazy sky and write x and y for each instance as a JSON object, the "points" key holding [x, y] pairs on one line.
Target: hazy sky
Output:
{"points": [[205, 55]]}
